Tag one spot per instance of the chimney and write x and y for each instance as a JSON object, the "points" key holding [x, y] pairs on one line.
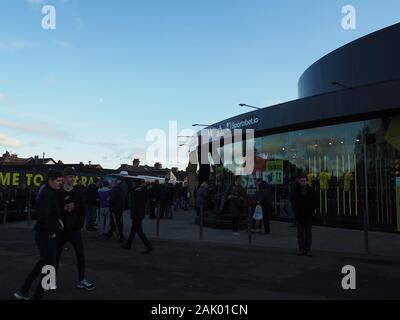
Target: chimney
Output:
{"points": [[136, 163], [158, 165]]}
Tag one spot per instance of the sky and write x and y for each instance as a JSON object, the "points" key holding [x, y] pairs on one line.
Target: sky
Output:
{"points": [[111, 71]]}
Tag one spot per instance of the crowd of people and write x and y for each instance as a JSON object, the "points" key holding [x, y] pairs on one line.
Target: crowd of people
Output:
{"points": [[17, 199], [64, 207], [235, 200]]}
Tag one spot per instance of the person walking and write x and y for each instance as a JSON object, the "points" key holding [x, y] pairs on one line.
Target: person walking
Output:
{"points": [[304, 203], [104, 201], [138, 211], [73, 219], [46, 229], [117, 207]]}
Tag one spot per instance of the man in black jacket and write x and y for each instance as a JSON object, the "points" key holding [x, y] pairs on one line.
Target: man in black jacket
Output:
{"points": [[138, 210], [73, 218], [46, 228], [117, 207], [304, 203]]}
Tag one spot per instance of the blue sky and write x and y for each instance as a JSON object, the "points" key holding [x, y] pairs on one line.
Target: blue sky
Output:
{"points": [[113, 70]]}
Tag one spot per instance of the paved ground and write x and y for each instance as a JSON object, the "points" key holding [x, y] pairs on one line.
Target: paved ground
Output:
{"points": [[282, 236], [193, 270]]}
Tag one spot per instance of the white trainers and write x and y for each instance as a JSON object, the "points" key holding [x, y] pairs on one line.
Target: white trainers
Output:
{"points": [[20, 296], [84, 284]]}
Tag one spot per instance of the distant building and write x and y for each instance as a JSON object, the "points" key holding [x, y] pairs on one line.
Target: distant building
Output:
{"points": [[156, 171], [8, 159]]}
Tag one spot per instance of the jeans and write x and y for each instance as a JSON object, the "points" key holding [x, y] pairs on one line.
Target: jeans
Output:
{"points": [[75, 238], [91, 216], [47, 250], [169, 212], [120, 227], [304, 236], [104, 220]]}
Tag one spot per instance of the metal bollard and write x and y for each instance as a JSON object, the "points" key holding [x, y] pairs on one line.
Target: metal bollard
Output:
{"points": [[5, 214], [158, 220], [29, 213], [201, 222], [249, 220]]}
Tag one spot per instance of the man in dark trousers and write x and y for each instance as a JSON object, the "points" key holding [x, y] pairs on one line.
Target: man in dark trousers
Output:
{"points": [[117, 207], [21, 198], [304, 203], [235, 196], [92, 204], [46, 229], [138, 210], [264, 197], [73, 218]]}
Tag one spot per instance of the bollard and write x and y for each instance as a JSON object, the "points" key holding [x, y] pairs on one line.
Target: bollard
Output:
{"points": [[158, 220], [249, 220], [201, 222], [5, 214], [29, 213]]}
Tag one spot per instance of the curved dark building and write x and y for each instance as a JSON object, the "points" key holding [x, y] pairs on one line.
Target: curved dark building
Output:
{"points": [[348, 110], [368, 60]]}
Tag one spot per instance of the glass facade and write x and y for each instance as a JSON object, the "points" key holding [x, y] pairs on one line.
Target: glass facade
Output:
{"points": [[332, 157]]}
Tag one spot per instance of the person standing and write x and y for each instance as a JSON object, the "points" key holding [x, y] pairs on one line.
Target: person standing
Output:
{"points": [[264, 197], [235, 196], [304, 203], [46, 229], [21, 199], [202, 198], [138, 211], [73, 218], [92, 203], [185, 196], [170, 194], [104, 200], [153, 201]]}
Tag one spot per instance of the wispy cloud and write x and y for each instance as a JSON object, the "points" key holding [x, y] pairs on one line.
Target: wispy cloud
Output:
{"points": [[36, 2], [8, 141], [16, 45], [42, 2], [63, 44], [5, 101], [51, 81], [34, 127]]}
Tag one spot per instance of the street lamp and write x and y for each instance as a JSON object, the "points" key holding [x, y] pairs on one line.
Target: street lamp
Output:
{"points": [[248, 106]]}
